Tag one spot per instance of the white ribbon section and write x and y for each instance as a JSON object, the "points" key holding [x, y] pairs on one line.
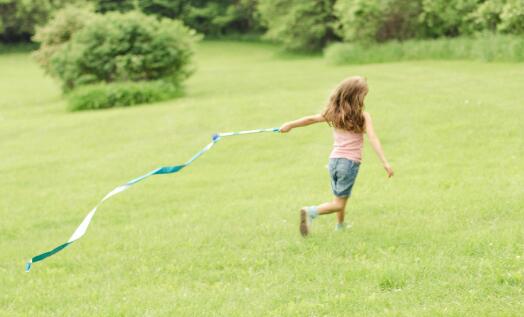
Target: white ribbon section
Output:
{"points": [[115, 191], [81, 230]]}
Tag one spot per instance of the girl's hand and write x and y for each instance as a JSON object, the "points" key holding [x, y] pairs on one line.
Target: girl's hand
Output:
{"points": [[388, 169], [286, 127], [302, 122]]}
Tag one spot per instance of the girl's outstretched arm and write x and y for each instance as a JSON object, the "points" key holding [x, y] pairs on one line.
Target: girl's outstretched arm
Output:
{"points": [[302, 122], [375, 142]]}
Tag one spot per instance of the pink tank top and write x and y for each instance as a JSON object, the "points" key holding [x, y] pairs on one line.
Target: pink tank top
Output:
{"points": [[347, 145]]}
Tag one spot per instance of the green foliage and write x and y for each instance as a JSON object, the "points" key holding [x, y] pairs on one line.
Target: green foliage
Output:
{"points": [[174, 9], [447, 18], [213, 18], [490, 48], [377, 20], [305, 25], [114, 5], [300, 25], [487, 15], [18, 18], [382, 20], [498, 48], [102, 96], [125, 47], [512, 17], [58, 31], [359, 20], [296, 23], [505, 16]]}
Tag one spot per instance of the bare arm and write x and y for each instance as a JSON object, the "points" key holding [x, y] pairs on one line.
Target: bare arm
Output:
{"points": [[302, 122], [375, 143]]}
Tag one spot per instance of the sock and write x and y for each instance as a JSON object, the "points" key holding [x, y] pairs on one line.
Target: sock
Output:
{"points": [[312, 211], [340, 226]]}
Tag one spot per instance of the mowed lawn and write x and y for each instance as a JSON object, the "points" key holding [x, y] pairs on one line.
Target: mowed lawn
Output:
{"points": [[443, 237]]}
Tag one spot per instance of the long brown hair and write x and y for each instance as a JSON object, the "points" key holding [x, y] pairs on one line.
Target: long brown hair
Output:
{"points": [[345, 108]]}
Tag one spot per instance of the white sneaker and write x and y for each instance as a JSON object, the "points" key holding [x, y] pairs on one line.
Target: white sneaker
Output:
{"points": [[342, 226]]}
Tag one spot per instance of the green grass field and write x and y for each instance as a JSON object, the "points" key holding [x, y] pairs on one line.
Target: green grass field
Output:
{"points": [[444, 237]]}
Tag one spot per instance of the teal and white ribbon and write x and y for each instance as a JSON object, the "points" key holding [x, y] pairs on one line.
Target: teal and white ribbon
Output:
{"points": [[82, 228]]}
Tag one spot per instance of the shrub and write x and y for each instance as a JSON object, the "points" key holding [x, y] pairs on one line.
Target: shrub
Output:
{"points": [[305, 25], [400, 20], [125, 47], [512, 17], [490, 48], [104, 6], [58, 31], [505, 16], [487, 15], [230, 17], [174, 9], [377, 20], [213, 18], [359, 20], [102, 96], [447, 18], [18, 19]]}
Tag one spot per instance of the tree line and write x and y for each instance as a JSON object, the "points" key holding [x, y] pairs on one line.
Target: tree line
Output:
{"points": [[306, 25]]}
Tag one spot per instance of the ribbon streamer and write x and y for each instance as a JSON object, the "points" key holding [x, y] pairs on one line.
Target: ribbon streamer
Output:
{"points": [[82, 228]]}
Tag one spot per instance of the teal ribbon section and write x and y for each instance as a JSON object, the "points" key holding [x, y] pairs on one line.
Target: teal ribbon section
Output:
{"points": [[80, 231]]}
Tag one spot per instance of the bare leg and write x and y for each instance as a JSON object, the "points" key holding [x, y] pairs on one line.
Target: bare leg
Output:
{"points": [[340, 216], [338, 204]]}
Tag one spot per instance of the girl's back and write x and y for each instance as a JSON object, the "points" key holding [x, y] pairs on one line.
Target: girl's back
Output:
{"points": [[347, 145]]}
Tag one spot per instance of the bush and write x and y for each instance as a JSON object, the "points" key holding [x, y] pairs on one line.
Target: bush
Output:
{"points": [[215, 18], [125, 47], [487, 15], [447, 18], [377, 20], [359, 20], [104, 6], [505, 16], [490, 48], [18, 19], [512, 17], [103, 96], [53, 36], [174, 9], [305, 25]]}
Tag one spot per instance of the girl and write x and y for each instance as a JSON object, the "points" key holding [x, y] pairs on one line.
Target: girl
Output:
{"points": [[345, 113]]}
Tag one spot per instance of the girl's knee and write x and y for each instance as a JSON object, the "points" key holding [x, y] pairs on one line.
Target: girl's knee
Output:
{"points": [[340, 204]]}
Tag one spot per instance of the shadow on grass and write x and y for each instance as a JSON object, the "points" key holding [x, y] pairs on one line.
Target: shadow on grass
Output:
{"points": [[17, 48]]}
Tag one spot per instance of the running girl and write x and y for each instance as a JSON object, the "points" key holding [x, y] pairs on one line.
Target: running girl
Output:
{"points": [[345, 113]]}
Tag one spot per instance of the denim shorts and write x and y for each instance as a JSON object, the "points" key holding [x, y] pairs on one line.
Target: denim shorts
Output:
{"points": [[343, 174]]}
